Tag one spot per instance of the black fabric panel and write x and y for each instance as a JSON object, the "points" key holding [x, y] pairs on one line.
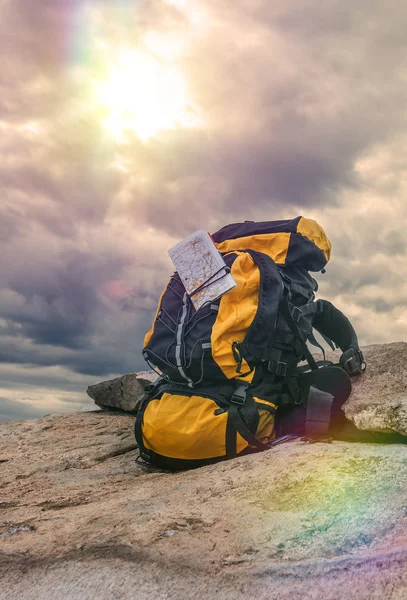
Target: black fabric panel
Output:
{"points": [[238, 230], [332, 322], [160, 350], [303, 252]]}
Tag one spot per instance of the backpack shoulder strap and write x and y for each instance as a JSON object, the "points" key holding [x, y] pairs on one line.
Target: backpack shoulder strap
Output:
{"points": [[258, 340]]}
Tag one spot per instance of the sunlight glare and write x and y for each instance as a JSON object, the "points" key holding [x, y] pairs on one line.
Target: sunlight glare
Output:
{"points": [[144, 95]]}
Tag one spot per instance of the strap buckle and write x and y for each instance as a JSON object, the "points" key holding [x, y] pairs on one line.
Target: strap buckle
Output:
{"points": [[296, 313], [278, 368], [239, 395], [353, 362]]}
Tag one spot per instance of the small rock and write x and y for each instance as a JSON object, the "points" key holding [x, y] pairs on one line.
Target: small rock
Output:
{"points": [[122, 393]]}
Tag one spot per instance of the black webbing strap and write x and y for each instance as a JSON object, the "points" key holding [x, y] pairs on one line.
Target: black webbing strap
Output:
{"points": [[313, 340], [328, 341], [239, 425], [235, 423], [285, 309], [138, 432], [295, 287], [231, 450]]}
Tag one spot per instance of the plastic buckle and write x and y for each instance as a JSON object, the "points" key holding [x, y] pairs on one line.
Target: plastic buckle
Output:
{"points": [[281, 369], [271, 366], [351, 365], [278, 368], [239, 395], [362, 361], [296, 313]]}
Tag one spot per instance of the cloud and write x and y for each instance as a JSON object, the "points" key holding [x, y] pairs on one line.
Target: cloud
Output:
{"points": [[11, 410], [302, 112], [31, 391]]}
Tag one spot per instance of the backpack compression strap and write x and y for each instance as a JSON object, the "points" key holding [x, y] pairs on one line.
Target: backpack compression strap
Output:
{"points": [[285, 309], [235, 423]]}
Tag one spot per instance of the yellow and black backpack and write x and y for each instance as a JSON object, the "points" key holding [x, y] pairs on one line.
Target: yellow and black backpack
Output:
{"points": [[226, 368]]}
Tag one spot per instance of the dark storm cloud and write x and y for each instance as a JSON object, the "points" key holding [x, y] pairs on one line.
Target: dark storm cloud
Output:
{"points": [[59, 306]]}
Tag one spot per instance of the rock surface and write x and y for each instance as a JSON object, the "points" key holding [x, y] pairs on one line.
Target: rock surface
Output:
{"points": [[79, 519], [379, 398], [121, 393]]}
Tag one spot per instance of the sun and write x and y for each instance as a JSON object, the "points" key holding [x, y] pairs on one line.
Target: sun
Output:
{"points": [[144, 95]]}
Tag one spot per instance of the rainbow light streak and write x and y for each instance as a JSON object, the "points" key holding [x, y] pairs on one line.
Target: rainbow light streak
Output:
{"points": [[330, 508]]}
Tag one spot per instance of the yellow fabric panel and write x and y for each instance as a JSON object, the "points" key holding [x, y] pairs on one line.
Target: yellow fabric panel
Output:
{"points": [[149, 334], [266, 402], [314, 232], [185, 427], [241, 443], [273, 244], [265, 429], [237, 310]]}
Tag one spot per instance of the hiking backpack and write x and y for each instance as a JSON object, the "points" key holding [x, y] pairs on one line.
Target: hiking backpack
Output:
{"points": [[226, 368]]}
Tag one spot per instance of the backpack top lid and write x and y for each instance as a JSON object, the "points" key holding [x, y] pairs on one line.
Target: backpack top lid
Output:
{"points": [[300, 241]]}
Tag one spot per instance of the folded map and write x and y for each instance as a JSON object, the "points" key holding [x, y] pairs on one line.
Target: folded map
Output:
{"points": [[201, 268]]}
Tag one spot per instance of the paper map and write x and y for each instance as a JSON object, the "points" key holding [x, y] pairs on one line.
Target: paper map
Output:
{"points": [[199, 263]]}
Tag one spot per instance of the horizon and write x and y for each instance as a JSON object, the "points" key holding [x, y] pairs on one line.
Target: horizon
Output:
{"points": [[128, 126]]}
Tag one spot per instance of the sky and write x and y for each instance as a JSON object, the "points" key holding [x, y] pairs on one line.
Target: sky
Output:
{"points": [[127, 125]]}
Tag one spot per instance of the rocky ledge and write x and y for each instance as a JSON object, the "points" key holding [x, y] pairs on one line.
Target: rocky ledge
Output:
{"points": [[80, 519]]}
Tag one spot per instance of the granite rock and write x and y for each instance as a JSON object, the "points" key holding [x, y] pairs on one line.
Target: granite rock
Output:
{"points": [[79, 519], [379, 397], [122, 393]]}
